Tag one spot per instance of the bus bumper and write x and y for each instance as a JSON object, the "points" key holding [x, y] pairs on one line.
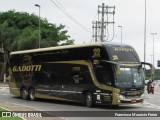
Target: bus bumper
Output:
{"points": [[130, 99]]}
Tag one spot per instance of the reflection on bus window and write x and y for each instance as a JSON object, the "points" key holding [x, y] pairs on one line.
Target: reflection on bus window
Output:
{"points": [[130, 77]]}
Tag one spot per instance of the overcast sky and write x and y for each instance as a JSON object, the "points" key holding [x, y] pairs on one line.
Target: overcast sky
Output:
{"points": [[128, 13]]}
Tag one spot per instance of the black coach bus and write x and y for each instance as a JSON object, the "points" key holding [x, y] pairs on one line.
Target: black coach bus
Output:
{"points": [[95, 73]]}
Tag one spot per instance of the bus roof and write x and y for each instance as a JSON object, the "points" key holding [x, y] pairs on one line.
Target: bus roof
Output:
{"points": [[65, 47]]}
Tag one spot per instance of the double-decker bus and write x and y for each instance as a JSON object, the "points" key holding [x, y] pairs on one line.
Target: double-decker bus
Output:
{"points": [[94, 73]]}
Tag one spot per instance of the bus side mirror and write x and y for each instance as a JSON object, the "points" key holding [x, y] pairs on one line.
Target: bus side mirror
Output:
{"points": [[116, 65], [151, 67], [152, 70]]}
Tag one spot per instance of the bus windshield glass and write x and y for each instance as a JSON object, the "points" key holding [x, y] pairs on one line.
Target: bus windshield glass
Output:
{"points": [[123, 54], [130, 78]]}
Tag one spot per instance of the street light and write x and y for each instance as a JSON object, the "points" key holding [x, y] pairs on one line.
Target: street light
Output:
{"points": [[121, 33], [153, 45], [39, 24], [145, 21]]}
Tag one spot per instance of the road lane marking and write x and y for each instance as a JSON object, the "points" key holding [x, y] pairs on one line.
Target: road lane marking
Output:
{"points": [[147, 104], [4, 94], [3, 88], [155, 106]]}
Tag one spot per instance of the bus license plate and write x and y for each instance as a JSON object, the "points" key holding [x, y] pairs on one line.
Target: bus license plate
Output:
{"points": [[133, 101]]}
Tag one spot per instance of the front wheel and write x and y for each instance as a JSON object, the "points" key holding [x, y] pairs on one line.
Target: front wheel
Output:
{"points": [[32, 94], [89, 99]]}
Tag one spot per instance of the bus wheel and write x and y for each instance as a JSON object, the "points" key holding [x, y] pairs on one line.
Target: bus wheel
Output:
{"points": [[89, 99], [32, 94], [24, 94]]}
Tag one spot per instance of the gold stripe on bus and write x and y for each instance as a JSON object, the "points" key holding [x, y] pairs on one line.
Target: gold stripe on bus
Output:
{"points": [[44, 96], [57, 48], [130, 65]]}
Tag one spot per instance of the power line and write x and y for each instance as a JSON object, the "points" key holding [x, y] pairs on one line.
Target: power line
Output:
{"points": [[60, 7], [95, 16]]}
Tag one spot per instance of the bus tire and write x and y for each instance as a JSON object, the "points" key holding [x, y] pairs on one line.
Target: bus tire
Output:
{"points": [[89, 99], [24, 93], [32, 94]]}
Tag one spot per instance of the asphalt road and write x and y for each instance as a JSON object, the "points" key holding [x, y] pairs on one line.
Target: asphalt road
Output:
{"points": [[151, 104]]}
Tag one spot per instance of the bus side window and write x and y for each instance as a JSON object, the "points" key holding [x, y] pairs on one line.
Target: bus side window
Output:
{"points": [[56, 78], [60, 78], [65, 78], [104, 77], [77, 78]]}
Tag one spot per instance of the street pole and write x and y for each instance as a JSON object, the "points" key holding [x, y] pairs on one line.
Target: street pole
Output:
{"points": [[145, 21], [121, 33], [145, 33], [39, 25]]}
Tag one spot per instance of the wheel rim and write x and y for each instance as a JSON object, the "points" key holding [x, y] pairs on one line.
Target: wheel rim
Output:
{"points": [[32, 95], [24, 94]]}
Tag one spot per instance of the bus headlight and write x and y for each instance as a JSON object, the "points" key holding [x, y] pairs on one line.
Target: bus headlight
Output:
{"points": [[142, 96]]}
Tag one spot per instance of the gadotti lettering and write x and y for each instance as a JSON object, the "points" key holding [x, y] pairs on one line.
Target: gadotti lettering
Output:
{"points": [[26, 68]]}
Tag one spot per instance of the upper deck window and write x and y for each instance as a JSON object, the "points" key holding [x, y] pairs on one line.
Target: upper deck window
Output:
{"points": [[122, 54]]}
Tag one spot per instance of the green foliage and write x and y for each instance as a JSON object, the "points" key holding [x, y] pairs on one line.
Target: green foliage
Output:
{"points": [[156, 74], [20, 31]]}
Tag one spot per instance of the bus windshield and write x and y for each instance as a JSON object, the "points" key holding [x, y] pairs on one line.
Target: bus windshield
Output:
{"points": [[130, 78]]}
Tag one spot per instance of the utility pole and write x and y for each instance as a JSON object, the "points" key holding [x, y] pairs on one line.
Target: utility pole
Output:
{"points": [[102, 23], [95, 30], [99, 27]]}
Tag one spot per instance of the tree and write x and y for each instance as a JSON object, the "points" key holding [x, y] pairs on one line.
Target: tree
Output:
{"points": [[25, 31], [19, 31], [7, 35]]}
